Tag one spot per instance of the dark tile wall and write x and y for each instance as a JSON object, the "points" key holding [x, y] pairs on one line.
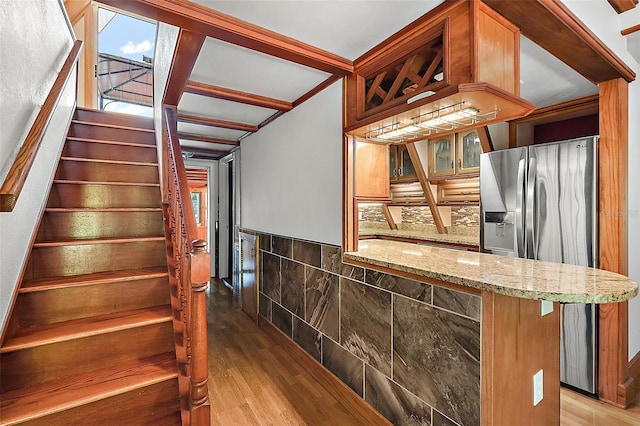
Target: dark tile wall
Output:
{"points": [[410, 349]]}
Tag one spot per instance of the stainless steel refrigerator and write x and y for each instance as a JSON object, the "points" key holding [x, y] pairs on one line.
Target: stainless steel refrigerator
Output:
{"points": [[539, 202]]}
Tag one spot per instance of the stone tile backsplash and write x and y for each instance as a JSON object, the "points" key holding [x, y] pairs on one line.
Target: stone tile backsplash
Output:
{"points": [[410, 349]]}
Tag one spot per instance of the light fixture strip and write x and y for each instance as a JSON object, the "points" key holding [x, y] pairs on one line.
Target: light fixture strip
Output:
{"points": [[458, 115]]}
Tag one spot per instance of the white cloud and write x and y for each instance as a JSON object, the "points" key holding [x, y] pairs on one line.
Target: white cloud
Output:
{"points": [[131, 49]]}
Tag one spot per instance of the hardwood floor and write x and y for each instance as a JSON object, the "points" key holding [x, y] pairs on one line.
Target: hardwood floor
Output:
{"points": [[253, 381]]}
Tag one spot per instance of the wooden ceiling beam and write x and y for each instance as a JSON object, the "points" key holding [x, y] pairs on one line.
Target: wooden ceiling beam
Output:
{"points": [[202, 20], [622, 6], [630, 30], [212, 152], [209, 139], [311, 93], [184, 58], [217, 92], [585, 105], [550, 24], [214, 122]]}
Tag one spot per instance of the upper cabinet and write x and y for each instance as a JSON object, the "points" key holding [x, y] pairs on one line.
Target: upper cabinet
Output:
{"points": [[437, 76], [454, 155], [401, 167], [371, 177]]}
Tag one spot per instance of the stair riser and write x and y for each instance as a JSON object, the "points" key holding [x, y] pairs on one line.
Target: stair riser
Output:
{"points": [[40, 364], [102, 151], [126, 120], [90, 258], [86, 131], [155, 405], [103, 196], [101, 172], [51, 306], [56, 226]]}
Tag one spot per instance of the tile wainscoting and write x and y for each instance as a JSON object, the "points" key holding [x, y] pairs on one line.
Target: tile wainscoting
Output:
{"points": [[410, 349]]}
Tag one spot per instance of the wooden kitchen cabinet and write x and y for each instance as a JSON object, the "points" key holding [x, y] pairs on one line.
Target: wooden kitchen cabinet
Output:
{"points": [[455, 155], [401, 168], [459, 191], [468, 152], [371, 171]]}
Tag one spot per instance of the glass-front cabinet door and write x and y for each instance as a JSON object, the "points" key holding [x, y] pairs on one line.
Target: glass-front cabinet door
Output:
{"points": [[441, 156], [468, 150], [401, 168]]}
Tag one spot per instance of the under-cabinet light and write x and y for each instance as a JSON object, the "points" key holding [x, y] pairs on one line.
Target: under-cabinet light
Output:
{"points": [[420, 96], [447, 118]]}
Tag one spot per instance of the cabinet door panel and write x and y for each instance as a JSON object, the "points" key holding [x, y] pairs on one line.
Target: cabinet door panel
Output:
{"points": [[372, 170], [468, 150], [441, 156]]}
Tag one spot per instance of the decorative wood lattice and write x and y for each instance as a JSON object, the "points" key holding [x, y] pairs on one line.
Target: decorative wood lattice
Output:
{"points": [[418, 72]]}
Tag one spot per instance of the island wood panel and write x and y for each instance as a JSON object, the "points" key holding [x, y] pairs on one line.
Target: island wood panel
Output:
{"points": [[615, 384], [517, 342]]}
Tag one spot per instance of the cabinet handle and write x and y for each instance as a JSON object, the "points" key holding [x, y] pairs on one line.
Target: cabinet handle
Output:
{"points": [[399, 172], [460, 163], [451, 164]]}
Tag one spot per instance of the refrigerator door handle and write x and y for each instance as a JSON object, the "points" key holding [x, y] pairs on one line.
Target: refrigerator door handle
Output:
{"points": [[519, 209], [530, 212]]}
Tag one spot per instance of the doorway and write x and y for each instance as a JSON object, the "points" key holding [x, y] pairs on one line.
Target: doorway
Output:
{"points": [[124, 68], [228, 243], [202, 181]]}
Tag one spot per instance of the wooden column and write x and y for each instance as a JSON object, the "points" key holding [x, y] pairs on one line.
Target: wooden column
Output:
{"points": [[516, 343], [615, 385], [199, 391]]}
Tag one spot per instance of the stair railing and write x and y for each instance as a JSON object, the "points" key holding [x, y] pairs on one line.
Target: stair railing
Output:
{"points": [[189, 275], [17, 175]]}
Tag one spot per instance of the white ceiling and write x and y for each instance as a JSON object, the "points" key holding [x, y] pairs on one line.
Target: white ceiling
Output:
{"points": [[347, 28]]}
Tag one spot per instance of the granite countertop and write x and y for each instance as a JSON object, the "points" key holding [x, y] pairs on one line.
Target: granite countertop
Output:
{"points": [[524, 278], [420, 235]]}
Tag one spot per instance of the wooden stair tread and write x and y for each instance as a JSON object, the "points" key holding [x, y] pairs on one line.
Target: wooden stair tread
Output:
{"points": [[101, 209], [84, 327], [52, 397], [90, 182], [81, 241], [97, 160], [110, 142], [93, 279], [111, 126]]}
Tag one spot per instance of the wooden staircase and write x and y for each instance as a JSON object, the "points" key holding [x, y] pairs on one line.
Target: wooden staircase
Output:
{"points": [[90, 340]]}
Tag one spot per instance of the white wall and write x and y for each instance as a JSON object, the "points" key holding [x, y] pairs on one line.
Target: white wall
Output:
{"points": [[291, 172], [606, 24], [32, 52]]}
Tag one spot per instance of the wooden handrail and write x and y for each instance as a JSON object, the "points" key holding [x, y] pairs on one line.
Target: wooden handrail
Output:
{"points": [[15, 179], [189, 275]]}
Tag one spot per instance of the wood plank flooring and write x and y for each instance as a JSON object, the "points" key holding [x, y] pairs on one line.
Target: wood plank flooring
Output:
{"points": [[252, 381]]}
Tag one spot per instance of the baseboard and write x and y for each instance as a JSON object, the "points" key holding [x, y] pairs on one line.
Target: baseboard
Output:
{"points": [[634, 373], [343, 393]]}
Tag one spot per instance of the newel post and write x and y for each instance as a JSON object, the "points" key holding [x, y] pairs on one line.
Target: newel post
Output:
{"points": [[199, 391]]}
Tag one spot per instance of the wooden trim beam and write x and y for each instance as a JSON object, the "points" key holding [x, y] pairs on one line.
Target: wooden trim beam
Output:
{"points": [[485, 139], [614, 385], [213, 122], [426, 188], [17, 175], [590, 103], [217, 92], [621, 6], [209, 139], [184, 59], [211, 152], [202, 20], [75, 9], [389, 217], [630, 30], [311, 93], [551, 24]]}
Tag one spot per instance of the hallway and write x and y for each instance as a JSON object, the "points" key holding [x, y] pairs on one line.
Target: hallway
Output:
{"points": [[253, 381]]}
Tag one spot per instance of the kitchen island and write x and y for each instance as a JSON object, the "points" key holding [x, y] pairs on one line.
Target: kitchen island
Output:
{"points": [[520, 336]]}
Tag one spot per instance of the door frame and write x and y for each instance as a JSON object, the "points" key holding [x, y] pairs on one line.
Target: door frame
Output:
{"points": [[212, 205]]}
